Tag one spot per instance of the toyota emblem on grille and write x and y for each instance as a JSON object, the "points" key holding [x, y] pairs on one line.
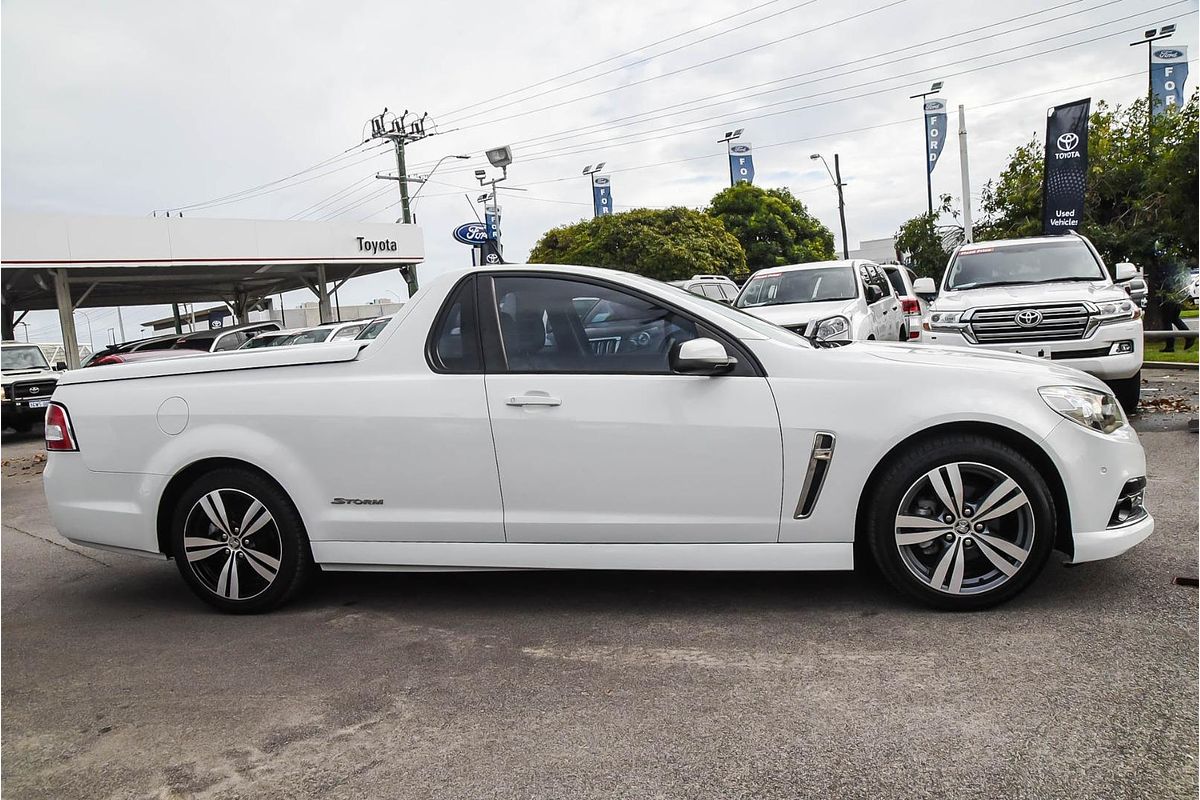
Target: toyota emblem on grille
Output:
{"points": [[34, 390], [1029, 318]]}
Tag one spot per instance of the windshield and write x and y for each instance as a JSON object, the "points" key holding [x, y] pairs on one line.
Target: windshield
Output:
{"points": [[27, 357], [263, 340], [814, 285], [761, 327], [1036, 262], [310, 337]]}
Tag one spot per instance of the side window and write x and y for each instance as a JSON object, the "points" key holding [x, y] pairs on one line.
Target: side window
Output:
{"points": [[543, 330], [348, 332], [712, 290], [231, 341], [454, 345], [896, 280]]}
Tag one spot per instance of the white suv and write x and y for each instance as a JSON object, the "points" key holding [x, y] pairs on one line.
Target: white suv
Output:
{"points": [[1049, 297], [827, 300]]}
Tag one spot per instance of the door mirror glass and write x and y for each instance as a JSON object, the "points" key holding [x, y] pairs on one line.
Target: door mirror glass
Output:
{"points": [[874, 295], [61, 366], [1126, 271], [701, 357], [925, 287]]}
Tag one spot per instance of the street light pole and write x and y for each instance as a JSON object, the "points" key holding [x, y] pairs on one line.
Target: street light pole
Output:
{"points": [[934, 89], [1149, 38], [836, 176]]}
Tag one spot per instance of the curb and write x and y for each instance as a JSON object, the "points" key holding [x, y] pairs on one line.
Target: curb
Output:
{"points": [[1180, 365]]}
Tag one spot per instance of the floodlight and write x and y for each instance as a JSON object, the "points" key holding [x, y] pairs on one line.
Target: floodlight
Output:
{"points": [[480, 173], [1168, 30], [500, 156], [936, 85]]}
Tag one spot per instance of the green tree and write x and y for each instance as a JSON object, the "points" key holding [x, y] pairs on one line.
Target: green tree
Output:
{"points": [[1140, 204], [923, 244], [669, 244], [772, 225]]}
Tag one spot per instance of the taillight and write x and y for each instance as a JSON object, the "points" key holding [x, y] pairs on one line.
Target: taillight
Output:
{"points": [[59, 434], [910, 305], [113, 358]]}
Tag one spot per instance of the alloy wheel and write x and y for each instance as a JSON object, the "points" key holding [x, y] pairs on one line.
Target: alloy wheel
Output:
{"points": [[232, 544], [964, 528]]}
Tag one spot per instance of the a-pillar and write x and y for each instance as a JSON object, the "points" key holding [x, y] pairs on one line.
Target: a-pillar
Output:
{"points": [[66, 319]]}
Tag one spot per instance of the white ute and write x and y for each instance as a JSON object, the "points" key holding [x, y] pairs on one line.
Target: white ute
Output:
{"points": [[1049, 297], [570, 417]]}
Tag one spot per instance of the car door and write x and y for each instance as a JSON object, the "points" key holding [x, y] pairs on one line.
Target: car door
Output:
{"points": [[598, 441], [885, 311]]}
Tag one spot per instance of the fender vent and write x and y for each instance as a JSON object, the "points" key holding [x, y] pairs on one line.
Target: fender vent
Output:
{"points": [[818, 468]]}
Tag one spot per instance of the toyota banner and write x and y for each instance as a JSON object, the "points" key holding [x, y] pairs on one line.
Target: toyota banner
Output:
{"points": [[602, 195], [1064, 178], [935, 129], [741, 163], [1168, 72]]}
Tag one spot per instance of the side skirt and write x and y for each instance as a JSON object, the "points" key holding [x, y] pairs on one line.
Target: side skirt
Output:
{"points": [[421, 556]]}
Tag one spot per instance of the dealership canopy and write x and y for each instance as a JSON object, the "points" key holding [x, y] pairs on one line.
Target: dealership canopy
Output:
{"points": [[69, 262]]}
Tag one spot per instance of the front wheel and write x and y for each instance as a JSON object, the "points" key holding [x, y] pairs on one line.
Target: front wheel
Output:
{"points": [[1128, 392], [961, 522], [239, 543]]}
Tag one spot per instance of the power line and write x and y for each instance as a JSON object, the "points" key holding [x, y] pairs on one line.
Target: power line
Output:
{"points": [[328, 200], [613, 58], [710, 61], [632, 64], [739, 92], [701, 125], [318, 165]]}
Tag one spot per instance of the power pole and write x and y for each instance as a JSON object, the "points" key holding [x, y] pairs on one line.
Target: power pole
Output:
{"points": [[964, 164], [837, 171], [401, 133]]}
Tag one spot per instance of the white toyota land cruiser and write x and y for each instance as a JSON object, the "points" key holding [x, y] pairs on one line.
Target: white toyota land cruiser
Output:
{"points": [[1049, 297]]}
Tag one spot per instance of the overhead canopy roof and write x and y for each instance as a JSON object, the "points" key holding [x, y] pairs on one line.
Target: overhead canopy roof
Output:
{"points": [[117, 261]]}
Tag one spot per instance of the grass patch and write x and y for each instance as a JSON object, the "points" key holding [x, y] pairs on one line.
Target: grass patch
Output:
{"points": [[1154, 352], [1190, 312]]}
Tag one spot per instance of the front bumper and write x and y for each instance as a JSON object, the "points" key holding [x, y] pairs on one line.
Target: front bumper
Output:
{"points": [[1095, 355], [1095, 468]]}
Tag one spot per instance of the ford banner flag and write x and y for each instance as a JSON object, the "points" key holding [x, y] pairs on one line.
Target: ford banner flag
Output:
{"points": [[1064, 177], [602, 195], [1168, 72], [935, 129], [741, 163]]}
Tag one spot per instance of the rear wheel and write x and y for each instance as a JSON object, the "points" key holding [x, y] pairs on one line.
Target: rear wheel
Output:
{"points": [[1128, 392], [961, 523], [239, 543]]}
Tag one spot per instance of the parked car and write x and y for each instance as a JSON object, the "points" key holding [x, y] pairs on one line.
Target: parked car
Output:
{"points": [[206, 340], [853, 299], [1049, 297], [26, 383], [374, 328], [914, 308], [714, 287], [958, 487], [139, 356], [270, 339], [1134, 286]]}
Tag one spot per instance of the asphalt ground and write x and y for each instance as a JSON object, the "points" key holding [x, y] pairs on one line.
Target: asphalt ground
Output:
{"points": [[117, 683]]}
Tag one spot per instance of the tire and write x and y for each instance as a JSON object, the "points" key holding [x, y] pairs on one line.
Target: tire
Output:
{"points": [[1128, 392], [235, 571], [903, 333], [971, 570]]}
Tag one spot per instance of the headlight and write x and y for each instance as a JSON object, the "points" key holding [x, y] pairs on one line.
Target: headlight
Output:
{"points": [[1117, 311], [1099, 411], [3, 393], [945, 321], [832, 329]]}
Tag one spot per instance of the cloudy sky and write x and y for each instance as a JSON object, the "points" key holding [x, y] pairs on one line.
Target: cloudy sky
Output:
{"points": [[126, 107]]}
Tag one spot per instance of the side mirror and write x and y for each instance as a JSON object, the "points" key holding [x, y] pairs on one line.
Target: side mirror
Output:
{"points": [[830, 332], [61, 366], [925, 287], [701, 357], [874, 295], [1126, 271]]}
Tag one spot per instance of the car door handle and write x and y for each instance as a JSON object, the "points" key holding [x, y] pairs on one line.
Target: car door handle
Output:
{"points": [[533, 400]]}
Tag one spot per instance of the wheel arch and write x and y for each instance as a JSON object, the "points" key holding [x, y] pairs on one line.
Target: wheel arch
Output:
{"points": [[184, 478], [1027, 447]]}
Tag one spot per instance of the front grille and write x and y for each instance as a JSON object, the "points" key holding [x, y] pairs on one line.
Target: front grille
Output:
{"points": [[24, 390], [1058, 322]]}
